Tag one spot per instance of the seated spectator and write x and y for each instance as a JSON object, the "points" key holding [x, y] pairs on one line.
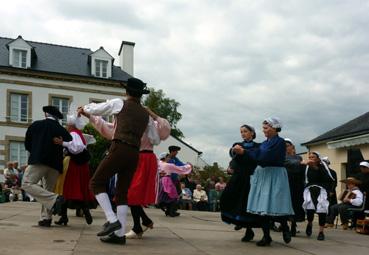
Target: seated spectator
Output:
{"points": [[200, 198], [10, 172], [189, 182], [363, 176], [352, 197], [222, 184], [185, 198], [12, 183], [212, 196]]}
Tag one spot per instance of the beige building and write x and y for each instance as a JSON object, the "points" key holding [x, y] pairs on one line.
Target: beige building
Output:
{"points": [[34, 74], [345, 146]]}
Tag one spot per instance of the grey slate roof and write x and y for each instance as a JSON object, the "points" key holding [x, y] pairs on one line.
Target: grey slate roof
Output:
{"points": [[59, 59], [355, 127]]}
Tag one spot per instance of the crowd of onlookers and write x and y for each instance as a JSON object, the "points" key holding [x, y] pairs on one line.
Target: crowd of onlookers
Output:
{"points": [[11, 183], [195, 196]]}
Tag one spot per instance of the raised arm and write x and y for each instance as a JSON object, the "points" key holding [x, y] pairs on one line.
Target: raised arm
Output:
{"points": [[110, 107]]}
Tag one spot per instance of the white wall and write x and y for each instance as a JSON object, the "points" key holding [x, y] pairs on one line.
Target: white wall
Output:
{"points": [[40, 98], [186, 154]]}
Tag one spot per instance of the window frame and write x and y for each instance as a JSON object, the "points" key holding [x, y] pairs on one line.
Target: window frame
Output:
{"points": [[59, 96], [11, 92], [99, 66], [20, 58], [14, 139]]}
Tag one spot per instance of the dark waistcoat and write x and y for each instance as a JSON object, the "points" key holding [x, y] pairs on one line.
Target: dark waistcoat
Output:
{"points": [[132, 121]]}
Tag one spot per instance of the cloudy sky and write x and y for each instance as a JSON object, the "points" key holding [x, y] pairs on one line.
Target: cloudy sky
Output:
{"points": [[226, 62]]}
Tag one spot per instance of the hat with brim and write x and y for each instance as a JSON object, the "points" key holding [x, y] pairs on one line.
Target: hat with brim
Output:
{"points": [[52, 110], [136, 85], [351, 180], [174, 148]]}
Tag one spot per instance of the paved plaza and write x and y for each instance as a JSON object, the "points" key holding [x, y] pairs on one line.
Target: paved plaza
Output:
{"points": [[192, 233]]}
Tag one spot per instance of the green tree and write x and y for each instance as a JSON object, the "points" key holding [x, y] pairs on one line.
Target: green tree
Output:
{"points": [[98, 149], [165, 108], [209, 171]]}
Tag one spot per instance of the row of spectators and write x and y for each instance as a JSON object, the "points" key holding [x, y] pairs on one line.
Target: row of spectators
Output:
{"points": [[11, 183]]}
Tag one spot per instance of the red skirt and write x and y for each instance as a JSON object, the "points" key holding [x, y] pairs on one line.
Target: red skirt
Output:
{"points": [[76, 184], [144, 182]]}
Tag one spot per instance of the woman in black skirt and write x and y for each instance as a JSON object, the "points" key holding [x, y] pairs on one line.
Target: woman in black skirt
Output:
{"points": [[233, 201]]}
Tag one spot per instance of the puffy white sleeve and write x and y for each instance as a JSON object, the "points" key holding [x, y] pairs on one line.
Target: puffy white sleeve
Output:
{"points": [[152, 132], [106, 129], [110, 107], [163, 127], [76, 145]]}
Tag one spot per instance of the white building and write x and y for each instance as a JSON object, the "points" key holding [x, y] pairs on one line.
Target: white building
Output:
{"points": [[186, 154], [34, 74]]}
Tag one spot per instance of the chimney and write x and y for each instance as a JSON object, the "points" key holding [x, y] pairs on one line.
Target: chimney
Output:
{"points": [[126, 57]]}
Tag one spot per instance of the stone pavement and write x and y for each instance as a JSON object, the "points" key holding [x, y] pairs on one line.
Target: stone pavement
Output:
{"points": [[192, 233]]}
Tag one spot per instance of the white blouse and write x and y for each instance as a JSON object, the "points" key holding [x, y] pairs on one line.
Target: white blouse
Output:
{"points": [[76, 145]]}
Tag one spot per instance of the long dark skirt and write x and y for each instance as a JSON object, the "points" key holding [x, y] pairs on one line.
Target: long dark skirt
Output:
{"points": [[233, 201]]}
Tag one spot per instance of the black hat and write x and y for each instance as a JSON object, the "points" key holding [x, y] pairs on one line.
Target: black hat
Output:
{"points": [[174, 148], [137, 86], [52, 110]]}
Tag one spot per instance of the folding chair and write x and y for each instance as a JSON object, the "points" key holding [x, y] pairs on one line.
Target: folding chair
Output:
{"points": [[355, 211]]}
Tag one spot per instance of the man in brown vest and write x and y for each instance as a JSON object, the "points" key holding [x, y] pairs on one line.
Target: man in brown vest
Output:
{"points": [[131, 120]]}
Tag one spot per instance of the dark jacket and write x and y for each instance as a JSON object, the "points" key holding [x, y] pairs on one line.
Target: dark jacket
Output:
{"points": [[39, 142]]}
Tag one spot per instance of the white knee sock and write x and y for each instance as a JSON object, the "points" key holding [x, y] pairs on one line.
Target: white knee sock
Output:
{"points": [[122, 217], [105, 204]]}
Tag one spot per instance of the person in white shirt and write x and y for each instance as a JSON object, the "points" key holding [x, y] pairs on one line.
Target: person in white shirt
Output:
{"points": [[200, 198], [352, 197]]}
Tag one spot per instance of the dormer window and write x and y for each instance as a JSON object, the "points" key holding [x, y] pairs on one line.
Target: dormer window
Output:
{"points": [[101, 68], [20, 53], [101, 63], [20, 58]]}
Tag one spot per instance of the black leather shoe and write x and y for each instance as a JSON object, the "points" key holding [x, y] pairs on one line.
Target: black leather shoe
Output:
{"points": [[88, 216], [44, 223], [109, 228], [174, 214], [321, 236], [249, 235], [57, 208], [309, 230], [62, 221], [265, 241], [113, 238], [286, 236], [237, 227]]}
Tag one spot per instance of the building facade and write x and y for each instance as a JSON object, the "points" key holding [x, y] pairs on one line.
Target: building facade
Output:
{"points": [[345, 146], [34, 74]]}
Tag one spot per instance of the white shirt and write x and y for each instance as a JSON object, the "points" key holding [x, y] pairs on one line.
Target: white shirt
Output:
{"points": [[76, 145]]}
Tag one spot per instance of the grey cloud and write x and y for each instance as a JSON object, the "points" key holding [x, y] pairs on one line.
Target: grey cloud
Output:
{"points": [[235, 62]]}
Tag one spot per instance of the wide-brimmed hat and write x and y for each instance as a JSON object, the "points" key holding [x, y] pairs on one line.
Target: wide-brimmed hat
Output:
{"points": [[174, 148], [352, 180], [136, 85], [52, 110]]}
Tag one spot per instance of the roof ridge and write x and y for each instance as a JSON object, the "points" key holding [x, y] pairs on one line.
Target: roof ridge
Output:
{"points": [[331, 132], [52, 44]]}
